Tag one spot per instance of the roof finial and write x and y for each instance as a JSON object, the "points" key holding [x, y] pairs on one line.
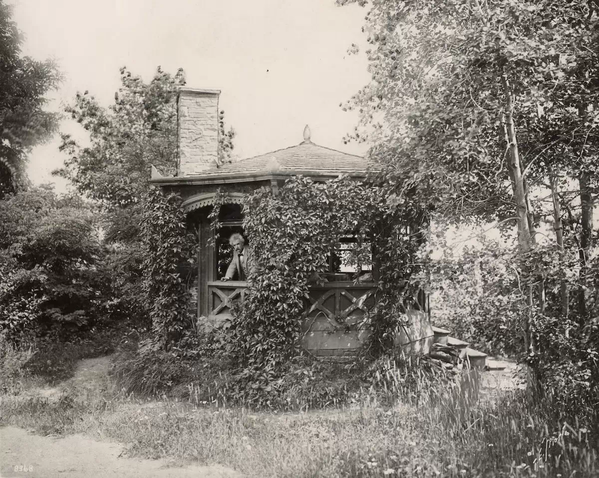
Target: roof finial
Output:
{"points": [[307, 134]]}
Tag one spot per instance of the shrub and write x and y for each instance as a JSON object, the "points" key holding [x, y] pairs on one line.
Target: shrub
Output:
{"points": [[49, 283], [475, 291], [566, 365], [140, 367]]}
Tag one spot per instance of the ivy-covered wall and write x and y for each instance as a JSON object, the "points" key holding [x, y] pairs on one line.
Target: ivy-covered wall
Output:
{"points": [[292, 231], [168, 245]]}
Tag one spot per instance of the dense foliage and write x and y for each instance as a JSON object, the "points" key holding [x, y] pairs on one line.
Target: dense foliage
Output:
{"points": [[24, 83], [167, 247], [476, 293], [136, 132], [489, 109], [292, 233], [49, 257]]}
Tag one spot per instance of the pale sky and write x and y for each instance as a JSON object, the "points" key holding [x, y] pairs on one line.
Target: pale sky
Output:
{"points": [[280, 64]]}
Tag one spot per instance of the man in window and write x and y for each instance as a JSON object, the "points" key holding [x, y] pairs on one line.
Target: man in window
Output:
{"points": [[241, 261]]}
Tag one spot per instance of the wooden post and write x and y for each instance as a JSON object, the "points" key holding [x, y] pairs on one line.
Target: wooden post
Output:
{"points": [[205, 265]]}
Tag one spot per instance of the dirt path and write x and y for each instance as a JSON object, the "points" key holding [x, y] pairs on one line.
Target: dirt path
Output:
{"points": [[76, 456], [90, 379]]}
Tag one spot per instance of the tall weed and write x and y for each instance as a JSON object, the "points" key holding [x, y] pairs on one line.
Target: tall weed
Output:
{"points": [[12, 365]]}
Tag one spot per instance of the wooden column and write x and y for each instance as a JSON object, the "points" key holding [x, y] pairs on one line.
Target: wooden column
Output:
{"points": [[205, 267]]}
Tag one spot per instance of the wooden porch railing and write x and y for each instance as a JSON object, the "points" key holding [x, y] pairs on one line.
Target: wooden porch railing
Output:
{"points": [[334, 321], [222, 296], [337, 301], [341, 303]]}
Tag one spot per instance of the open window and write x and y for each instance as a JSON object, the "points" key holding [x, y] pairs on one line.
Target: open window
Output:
{"points": [[231, 220], [351, 260]]}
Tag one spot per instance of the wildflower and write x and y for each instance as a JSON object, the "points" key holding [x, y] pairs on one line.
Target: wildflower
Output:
{"points": [[388, 471]]}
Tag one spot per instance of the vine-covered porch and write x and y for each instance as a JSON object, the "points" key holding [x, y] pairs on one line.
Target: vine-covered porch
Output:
{"points": [[335, 319]]}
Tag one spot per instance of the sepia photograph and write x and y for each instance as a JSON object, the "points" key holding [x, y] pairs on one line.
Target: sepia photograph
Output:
{"points": [[299, 238]]}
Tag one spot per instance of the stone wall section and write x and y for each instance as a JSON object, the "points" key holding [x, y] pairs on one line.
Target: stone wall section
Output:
{"points": [[198, 130]]}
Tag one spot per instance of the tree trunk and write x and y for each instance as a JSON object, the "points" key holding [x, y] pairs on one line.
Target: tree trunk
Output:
{"points": [[559, 236], [531, 226], [586, 236], [518, 184], [525, 240]]}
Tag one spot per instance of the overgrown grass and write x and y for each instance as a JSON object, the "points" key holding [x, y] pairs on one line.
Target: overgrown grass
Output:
{"points": [[305, 384], [408, 422], [12, 365], [505, 440]]}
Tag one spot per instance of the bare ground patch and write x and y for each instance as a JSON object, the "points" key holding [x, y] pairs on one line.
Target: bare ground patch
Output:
{"points": [[77, 455]]}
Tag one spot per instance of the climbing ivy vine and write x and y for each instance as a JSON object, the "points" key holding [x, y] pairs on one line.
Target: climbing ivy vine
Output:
{"points": [[292, 233], [168, 247]]}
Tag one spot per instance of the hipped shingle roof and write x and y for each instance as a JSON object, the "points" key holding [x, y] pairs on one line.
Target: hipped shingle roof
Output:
{"points": [[304, 157]]}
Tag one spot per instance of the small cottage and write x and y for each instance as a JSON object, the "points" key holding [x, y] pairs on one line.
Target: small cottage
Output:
{"points": [[333, 322]]}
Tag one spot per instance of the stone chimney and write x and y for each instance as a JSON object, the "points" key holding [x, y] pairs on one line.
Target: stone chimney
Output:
{"points": [[198, 130]]}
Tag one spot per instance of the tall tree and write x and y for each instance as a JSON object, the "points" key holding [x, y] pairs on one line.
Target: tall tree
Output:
{"points": [[138, 130], [455, 84], [479, 108], [24, 83], [135, 132], [472, 102]]}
